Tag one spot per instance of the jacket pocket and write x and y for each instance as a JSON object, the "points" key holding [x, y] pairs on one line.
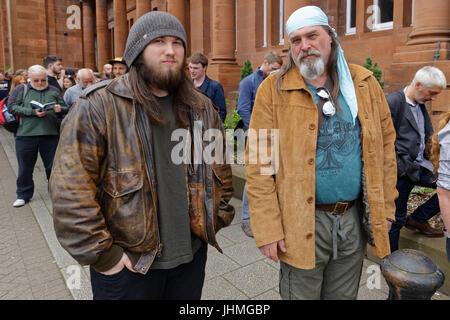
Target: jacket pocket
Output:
{"points": [[122, 206], [120, 183]]}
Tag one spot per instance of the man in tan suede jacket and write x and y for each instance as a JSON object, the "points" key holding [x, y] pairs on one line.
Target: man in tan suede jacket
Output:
{"points": [[331, 188]]}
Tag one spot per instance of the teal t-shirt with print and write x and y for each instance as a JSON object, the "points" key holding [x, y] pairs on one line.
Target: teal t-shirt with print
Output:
{"points": [[338, 156]]}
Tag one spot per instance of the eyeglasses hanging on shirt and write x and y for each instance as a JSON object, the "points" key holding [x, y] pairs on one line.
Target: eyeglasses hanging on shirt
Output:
{"points": [[325, 104], [328, 107]]}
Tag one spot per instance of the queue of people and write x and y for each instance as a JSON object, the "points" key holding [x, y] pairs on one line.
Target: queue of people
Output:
{"points": [[38, 130], [348, 159]]}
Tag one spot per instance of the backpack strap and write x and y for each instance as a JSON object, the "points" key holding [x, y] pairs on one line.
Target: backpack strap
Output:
{"points": [[25, 91], [13, 95]]}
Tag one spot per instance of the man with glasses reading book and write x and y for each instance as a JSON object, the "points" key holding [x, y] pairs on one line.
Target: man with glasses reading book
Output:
{"points": [[334, 187], [38, 129]]}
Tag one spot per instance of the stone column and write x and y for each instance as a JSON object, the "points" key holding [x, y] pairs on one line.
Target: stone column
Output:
{"points": [[431, 22], [142, 6], [103, 41], [178, 9], [88, 35], [222, 63], [197, 27], [120, 27], [222, 31], [289, 7]]}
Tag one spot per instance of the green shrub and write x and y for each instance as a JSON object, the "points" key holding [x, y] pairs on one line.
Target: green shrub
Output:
{"points": [[423, 190], [377, 73], [246, 70], [233, 118]]}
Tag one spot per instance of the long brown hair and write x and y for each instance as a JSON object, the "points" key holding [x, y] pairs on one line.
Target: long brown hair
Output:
{"points": [[435, 148], [184, 96], [16, 81], [331, 66]]}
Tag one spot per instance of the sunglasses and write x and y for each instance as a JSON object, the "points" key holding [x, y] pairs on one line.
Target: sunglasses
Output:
{"points": [[328, 107]]}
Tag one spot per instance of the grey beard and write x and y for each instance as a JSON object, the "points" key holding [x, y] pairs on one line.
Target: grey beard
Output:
{"points": [[312, 68]]}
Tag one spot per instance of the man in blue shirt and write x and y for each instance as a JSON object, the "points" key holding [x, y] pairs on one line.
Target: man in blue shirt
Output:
{"points": [[85, 78], [249, 85], [197, 68], [247, 92]]}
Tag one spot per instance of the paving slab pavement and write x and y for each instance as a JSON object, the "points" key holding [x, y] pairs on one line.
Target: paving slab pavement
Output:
{"points": [[34, 266], [28, 270]]}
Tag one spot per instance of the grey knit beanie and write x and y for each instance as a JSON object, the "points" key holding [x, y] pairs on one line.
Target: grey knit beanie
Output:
{"points": [[152, 25]]}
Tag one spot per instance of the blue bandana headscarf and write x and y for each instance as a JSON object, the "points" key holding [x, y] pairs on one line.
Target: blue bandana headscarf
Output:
{"points": [[313, 16]]}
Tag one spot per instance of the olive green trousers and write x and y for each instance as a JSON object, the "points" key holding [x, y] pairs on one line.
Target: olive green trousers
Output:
{"points": [[340, 250]]}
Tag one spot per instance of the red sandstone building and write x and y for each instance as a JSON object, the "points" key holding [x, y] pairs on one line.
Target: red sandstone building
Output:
{"points": [[401, 35]]}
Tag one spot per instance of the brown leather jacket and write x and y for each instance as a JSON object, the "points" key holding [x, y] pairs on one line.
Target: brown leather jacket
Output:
{"points": [[103, 185]]}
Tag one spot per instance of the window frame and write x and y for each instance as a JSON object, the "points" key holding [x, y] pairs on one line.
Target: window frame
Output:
{"points": [[377, 25], [235, 26], [281, 22], [265, 24], [348, 19]]}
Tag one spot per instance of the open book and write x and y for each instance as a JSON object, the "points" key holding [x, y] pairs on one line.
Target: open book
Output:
{"points": [[42, 107]]}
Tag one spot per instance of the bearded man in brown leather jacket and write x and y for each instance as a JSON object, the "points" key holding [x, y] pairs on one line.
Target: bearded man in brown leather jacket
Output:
{"points": [[123, 203]]}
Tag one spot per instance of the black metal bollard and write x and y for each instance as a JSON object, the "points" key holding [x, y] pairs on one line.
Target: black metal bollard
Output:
{"points": [[411, 275]]}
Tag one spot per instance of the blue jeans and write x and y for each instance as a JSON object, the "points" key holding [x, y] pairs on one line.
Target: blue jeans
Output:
{"points": [[422, 213], [184, 282], [27, 149], [245, 208]]}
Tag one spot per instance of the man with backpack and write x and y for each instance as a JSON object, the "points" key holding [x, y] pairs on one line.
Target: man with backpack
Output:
{"points": [[38, 129]]}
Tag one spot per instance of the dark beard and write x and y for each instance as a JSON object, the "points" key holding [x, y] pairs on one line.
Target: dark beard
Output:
{"points": [[184, 96], [169, 81]]}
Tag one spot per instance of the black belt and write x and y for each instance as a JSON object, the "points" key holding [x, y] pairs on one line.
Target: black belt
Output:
{"points": [[336, 208]]}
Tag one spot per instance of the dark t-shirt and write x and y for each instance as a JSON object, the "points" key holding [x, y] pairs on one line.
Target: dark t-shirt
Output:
{"points": [[179, 245], [4, 89]]}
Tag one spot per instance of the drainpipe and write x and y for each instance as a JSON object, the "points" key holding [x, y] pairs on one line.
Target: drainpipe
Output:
{"points": [[8, 17]]}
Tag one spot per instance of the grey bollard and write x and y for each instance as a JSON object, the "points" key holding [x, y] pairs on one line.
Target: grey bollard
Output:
{"points": [[411, 275]]}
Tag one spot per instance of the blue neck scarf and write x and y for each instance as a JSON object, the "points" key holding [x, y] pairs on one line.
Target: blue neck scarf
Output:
{"points": [[313, 16]]}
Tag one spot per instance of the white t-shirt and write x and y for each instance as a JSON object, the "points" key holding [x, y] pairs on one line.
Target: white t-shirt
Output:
{"points": [[443, 137]]}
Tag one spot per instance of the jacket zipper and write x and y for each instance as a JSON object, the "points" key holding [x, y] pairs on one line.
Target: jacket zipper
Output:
{"points": [[140, 135], [205, 178], [204, 204]]}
